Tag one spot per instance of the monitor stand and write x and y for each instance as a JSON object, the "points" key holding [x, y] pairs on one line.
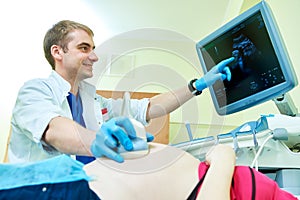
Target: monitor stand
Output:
{"points": [[285, 105]]}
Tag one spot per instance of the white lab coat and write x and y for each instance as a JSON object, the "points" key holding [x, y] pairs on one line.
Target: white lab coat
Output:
{"points": [[40, 100]]}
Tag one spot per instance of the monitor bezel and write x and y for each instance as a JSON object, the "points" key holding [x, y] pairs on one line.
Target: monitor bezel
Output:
{"points": [[280, 51]]}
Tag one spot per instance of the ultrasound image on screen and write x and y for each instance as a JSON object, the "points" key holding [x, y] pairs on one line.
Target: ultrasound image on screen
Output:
{"points": [[255, 67]]}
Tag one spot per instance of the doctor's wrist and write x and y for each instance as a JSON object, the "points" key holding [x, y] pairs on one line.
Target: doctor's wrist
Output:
{"points": [[192, 88]]}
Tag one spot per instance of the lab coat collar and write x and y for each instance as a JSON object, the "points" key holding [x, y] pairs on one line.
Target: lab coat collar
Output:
{"points": [[87, 87], [65, 86]]}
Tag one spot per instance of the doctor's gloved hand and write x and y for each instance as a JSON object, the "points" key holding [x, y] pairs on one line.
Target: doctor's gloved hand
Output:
{"points": [[219, 72], [115, 132], [150, 137]]}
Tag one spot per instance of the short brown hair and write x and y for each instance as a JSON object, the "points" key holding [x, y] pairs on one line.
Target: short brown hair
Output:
{"points": [[58, 35]]}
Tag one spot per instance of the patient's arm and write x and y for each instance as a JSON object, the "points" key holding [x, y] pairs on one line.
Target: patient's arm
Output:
{"points": [[217, 182], [164, 173]]}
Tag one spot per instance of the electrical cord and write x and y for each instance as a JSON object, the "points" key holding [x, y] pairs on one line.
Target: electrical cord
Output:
{"points": [[259, 152], [256, 162], [277, 134]]}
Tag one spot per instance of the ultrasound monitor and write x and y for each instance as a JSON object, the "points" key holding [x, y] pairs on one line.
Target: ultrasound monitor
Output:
{"points": [[261, 70]]}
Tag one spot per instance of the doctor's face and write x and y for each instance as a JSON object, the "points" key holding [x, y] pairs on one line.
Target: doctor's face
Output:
{"points": [[79, 58]]}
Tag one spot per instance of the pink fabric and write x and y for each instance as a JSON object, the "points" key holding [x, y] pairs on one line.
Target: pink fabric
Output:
{"points": [[266, 188]]}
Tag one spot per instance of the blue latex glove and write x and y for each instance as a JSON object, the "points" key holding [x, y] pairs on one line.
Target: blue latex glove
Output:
{"points": [[150, 137], [219, 72], [115, 132]]}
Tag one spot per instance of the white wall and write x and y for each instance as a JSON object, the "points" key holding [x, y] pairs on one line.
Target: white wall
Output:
{"points": [[24, 24]]}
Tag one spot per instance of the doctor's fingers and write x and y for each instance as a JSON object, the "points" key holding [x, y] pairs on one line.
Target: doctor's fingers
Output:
{"points": [[227, 72], [221, 65], [127, 125], [121, 136], [100, 150]]}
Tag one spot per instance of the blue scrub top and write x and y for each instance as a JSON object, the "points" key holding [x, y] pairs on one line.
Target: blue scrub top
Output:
{"points": [[75, 104]]}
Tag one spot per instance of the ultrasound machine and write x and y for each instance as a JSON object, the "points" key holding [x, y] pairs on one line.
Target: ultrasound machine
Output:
{"points": [[261, 71]]}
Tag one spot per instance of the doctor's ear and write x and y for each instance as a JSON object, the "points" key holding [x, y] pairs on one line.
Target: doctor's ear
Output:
{"points": [[56, 52]]}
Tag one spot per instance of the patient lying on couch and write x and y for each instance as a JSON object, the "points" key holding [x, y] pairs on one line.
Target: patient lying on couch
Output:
{"points": [[164, 173], [170, 173]]}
